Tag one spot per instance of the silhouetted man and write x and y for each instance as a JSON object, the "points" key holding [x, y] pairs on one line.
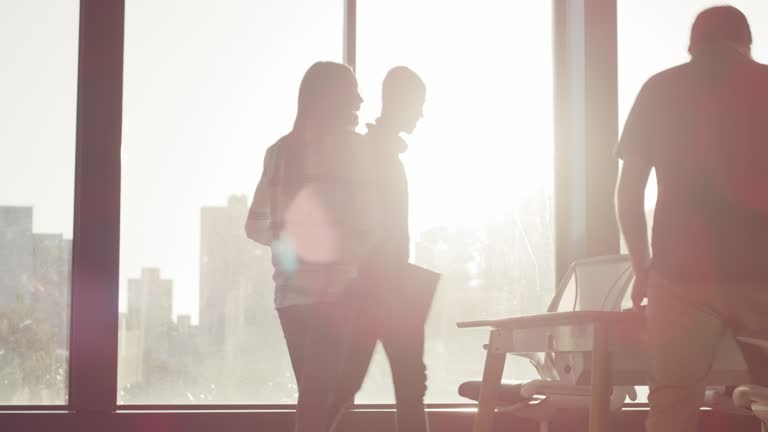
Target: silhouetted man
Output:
{"points": [[703, 127], [383, 313]]}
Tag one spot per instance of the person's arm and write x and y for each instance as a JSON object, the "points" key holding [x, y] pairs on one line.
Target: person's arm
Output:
{"points": [[634, 149], [258, 225], [630, 209]]}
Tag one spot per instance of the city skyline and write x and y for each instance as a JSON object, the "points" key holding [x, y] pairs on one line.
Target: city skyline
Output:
{"points": [[234, 235], [162, 360]]}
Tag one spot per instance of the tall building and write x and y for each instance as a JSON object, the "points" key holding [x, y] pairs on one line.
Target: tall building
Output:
{"points": [[240, 334], [129, 363], [32, 263], [148, 321], [232, 267], [16, 253], [34, 268], [34, 301], [150, 301], [50, 283], [52, 261]]}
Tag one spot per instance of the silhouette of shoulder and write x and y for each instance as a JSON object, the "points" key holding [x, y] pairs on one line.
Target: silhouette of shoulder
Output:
{"points": [[275, 148], [666, 81], [759, 73]]}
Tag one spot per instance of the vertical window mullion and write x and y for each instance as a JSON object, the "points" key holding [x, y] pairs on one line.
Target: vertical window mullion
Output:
{"points": [[350, 33], [586, 109], [601, 107], [95, 260]]}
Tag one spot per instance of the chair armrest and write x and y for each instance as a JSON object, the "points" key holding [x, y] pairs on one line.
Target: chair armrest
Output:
{"points": [[761, 343], [744, 396], [558, 318]]}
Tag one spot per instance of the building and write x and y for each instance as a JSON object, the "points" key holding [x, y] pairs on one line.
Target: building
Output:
{"points": [[34, 298], [231, 267], [237, 318], [148, 322], [16, 253]]}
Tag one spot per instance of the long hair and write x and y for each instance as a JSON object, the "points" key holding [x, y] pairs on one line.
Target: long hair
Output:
{"points": [[319, 90], [319, 98]]}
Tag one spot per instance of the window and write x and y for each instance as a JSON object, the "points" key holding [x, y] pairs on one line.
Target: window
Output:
{"points": [[38, 85], [209, 85], [205, 97], [480, 167]]}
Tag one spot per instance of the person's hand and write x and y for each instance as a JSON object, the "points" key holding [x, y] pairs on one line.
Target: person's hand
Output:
{"points": [[640, 288]]}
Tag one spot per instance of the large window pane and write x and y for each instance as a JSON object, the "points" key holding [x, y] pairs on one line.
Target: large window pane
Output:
{"points": [[38, 90], [209, 85], [480, 166]]}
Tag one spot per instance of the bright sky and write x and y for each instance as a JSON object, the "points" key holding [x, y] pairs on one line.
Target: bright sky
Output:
{"points": [[38, 90], [209, 84]]}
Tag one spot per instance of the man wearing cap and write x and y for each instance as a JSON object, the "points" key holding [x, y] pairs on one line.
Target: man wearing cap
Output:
{"points": [[703, 127]]}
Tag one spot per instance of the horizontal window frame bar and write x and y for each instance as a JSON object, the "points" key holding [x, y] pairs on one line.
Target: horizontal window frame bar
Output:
{"points": [[176, 408]]}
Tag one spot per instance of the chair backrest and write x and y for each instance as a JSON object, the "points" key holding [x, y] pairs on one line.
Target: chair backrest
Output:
{"points": [[591, 284], [603, 284], [595, 284]]}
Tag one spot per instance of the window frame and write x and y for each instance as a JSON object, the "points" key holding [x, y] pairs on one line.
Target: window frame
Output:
{"points": [[586, 127]]}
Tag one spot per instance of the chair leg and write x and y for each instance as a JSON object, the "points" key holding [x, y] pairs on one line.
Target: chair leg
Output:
{"points": [[601, 382], [494, 369], [347, 406], [543, 426]]}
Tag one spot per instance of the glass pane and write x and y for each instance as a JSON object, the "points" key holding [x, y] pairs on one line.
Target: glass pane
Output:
{"points": [[38, 105], [480, 167], [209, 85], [644, 52]]}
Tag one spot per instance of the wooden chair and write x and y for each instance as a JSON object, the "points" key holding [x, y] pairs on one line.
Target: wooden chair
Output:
{"points": [[593, 352]]}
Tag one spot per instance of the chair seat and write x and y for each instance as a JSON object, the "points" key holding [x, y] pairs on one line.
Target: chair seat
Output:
{"points": [[509, 392]]}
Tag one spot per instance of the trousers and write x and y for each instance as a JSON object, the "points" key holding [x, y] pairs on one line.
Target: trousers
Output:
{"points": [[685, 325]]}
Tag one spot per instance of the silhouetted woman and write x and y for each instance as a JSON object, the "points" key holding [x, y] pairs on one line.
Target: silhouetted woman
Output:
{"points": [[303, 209]]}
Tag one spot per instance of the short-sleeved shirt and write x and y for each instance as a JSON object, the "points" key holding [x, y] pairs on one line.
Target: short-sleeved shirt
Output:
{"points": [[703, 126]]}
